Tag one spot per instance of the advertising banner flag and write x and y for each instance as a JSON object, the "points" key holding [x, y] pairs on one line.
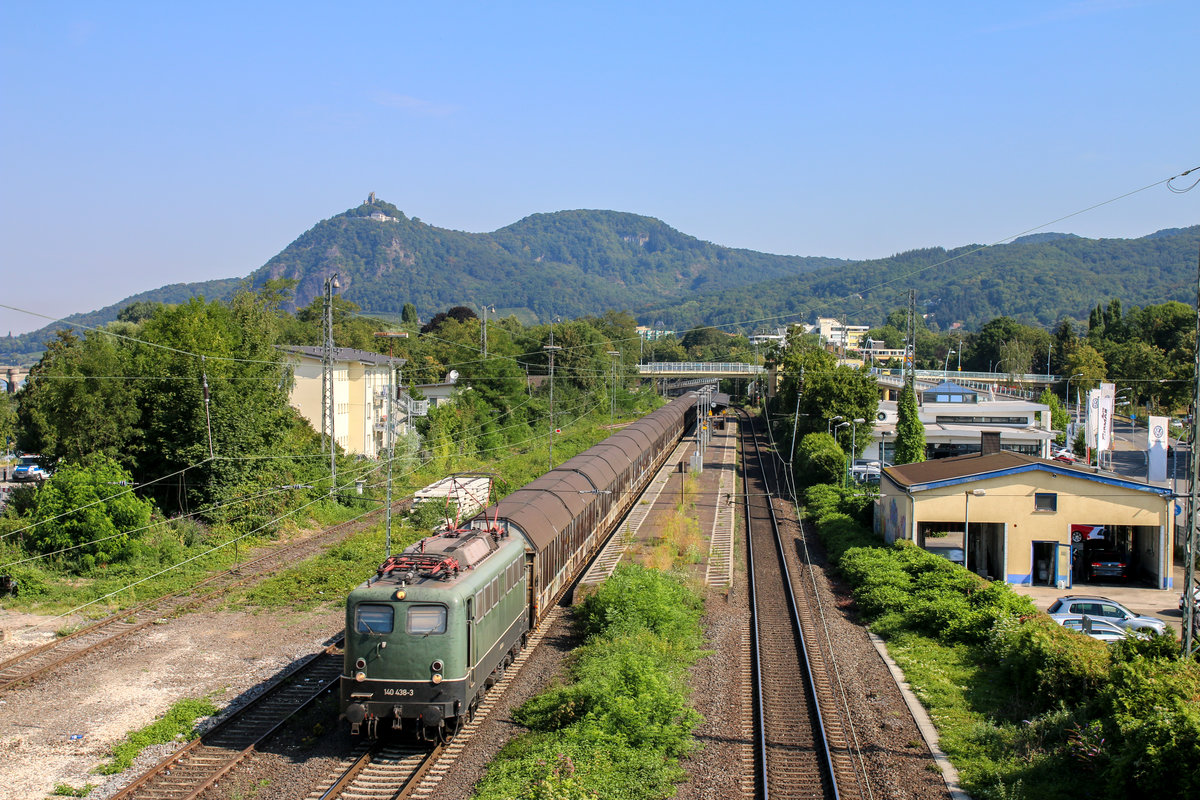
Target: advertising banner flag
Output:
{"points": [[1157, 447], [1104, 427], [1093, 416]]}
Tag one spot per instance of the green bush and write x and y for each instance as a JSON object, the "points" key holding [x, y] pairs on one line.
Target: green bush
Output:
{"points": [[1149, 709], [619, 727], [1045, 664], [637, 598], [820, 459]]}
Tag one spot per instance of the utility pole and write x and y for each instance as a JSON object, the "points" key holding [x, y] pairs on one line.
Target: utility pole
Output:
{"points": [[551, 349], [327, 383], [485, 310], [615, 354], [391, 430], [207, 415], [1190, 645]]}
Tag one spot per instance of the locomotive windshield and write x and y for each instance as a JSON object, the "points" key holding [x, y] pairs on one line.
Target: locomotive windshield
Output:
{"points": [[426, 619], [373, 618]]}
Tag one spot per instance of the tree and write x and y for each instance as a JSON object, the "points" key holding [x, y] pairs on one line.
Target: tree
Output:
{"points": [[8, 421], [409, 314], [910, 432], [1065, 342], [820, 459], [1059, 418], [137, 311], [247, 410], [1016, 358], [1008, 342], [88, 507], [78, 400], [1086, 368]]}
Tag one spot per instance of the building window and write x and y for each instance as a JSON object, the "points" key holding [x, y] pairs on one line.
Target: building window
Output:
{"points": [[1045, 501]]}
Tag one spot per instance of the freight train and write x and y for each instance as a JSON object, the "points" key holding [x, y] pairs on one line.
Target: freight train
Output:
{"points": [[437, 624]]}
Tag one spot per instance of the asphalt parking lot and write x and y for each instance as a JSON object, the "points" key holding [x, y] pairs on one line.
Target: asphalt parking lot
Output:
{"points": [[1160, 603]]}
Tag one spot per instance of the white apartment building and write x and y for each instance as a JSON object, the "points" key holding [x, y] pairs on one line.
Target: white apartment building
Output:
{"points": [[360, 392]]}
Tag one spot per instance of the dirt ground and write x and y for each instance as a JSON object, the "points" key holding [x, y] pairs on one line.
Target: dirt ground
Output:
{"points": [[217, 655]]}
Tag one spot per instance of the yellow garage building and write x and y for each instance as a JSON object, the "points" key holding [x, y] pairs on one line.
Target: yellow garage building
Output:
{"points": [[1028, 520]]}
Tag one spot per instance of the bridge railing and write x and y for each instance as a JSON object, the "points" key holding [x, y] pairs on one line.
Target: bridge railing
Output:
{"points": [[955, 376], [694, 367]]}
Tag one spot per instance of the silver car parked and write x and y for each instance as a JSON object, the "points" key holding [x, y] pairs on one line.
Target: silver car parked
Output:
{"points": [[1108, 610]]}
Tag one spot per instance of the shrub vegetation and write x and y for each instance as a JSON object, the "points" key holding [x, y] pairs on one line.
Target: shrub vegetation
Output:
{"points": [[618, 727], [1023, 706]]}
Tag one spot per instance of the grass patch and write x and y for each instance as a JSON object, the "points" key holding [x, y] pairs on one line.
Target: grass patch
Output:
{"points": [[618, 727], [328, 577], [67, 790], [178, 723]]}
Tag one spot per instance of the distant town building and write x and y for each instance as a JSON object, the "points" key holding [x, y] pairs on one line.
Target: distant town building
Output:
{"points": [[956, 418], [650, 334], [835, 334]]}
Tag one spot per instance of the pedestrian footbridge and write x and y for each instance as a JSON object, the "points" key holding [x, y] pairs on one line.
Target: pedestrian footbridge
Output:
{"points": [[699, 369]]}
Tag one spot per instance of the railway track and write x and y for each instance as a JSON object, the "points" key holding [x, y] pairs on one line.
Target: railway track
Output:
{"points": [[381, 771], [805, 745], [391, 771], [202, 763], [51, 655]]}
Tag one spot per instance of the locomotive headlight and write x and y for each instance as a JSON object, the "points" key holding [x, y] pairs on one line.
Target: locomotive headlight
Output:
{"points": [[400, 594], [437, 678], [360, 664], [360, 676], [437, 665]]}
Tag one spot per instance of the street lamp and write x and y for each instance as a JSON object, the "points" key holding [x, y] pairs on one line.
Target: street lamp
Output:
{"points": [[1067, 394], [967, 523], [853, 444], [829, 424], [946, 364]]}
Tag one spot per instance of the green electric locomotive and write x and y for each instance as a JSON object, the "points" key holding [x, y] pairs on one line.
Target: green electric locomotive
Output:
{"points": [[431, 631]]}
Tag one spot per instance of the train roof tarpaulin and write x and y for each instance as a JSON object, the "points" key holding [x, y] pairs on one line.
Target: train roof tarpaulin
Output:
{"points": [[594, 467], [538, 515]]}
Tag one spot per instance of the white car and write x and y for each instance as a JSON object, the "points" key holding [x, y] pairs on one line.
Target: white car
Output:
{"points": [[1095, 628]]}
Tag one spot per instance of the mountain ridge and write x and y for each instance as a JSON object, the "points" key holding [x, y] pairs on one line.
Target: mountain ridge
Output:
{"points": [[585, 261]]}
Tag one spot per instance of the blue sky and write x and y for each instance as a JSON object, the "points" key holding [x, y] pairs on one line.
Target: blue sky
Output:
{"points": [[151, 143]]}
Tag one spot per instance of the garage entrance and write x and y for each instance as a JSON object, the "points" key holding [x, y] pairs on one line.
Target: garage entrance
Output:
{"points": [[1115, 554], [982, 551]]}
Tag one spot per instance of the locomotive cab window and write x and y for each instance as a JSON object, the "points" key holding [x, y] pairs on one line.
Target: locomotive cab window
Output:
{"points": [[426, 619], [373, 618]]}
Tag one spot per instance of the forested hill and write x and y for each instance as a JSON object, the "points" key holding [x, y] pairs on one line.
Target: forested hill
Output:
{"points": [[27, 348], [1037, 279], [572, 263], [567, 263]]}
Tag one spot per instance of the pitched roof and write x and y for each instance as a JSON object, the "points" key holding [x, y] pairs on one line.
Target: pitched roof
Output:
{"points": [[964, 469], [344, 354]]}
